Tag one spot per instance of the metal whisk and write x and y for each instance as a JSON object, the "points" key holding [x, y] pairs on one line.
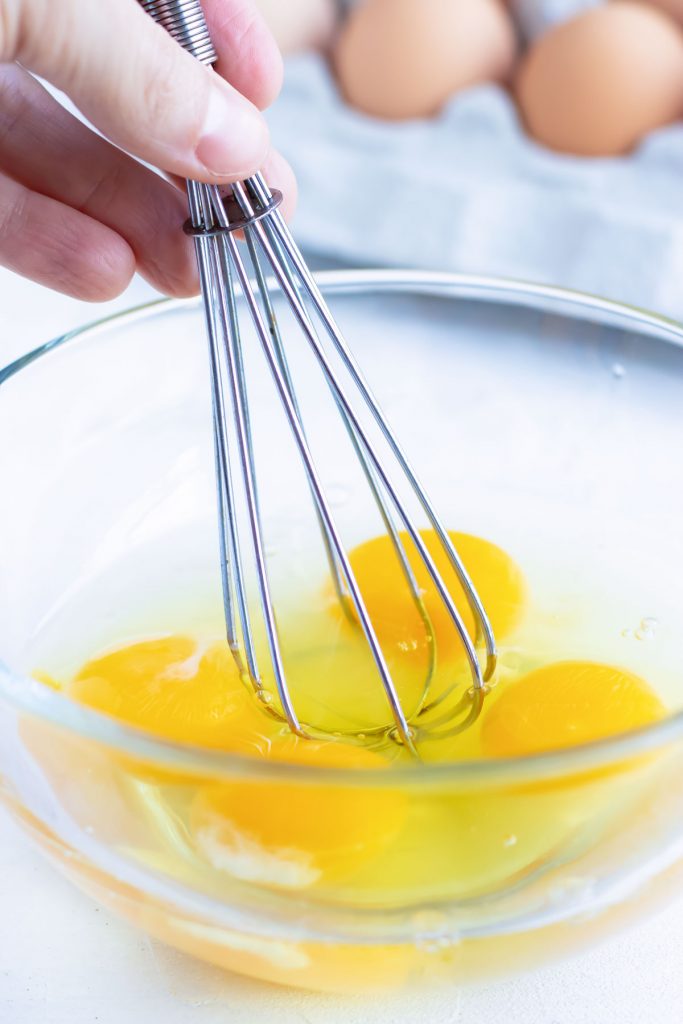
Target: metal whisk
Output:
{"points": [[251, 207]]}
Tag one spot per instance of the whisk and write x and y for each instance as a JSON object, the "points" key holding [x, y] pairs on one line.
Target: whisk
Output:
{"points": [[252, 208]]}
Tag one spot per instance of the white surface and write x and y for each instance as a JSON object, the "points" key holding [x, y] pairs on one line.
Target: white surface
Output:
{"points": [[63, 960]]}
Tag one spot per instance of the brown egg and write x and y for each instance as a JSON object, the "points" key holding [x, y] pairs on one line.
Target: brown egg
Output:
{"points": [[300, 24], [672, 7], [405, 58], [597, 84]]}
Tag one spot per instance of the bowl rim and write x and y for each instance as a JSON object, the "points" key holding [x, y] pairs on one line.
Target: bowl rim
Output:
{"points": [[30, 696]]}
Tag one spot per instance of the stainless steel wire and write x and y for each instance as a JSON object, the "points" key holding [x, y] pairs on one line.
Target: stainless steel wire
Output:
{"points": [[225, 271]]}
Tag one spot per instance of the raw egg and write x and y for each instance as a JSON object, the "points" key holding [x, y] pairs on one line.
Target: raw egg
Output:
{"points": [[334, 681], [497, 579], [597, 84], [565, 704], [405, 58], [292, 835], [177, 689], [334, 815]]}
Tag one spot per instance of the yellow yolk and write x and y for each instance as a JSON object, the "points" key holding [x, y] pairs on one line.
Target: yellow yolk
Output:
{"points": [[177, 690], [566, 704], [335, 683], [391, 606], [291, 834], [310, 830], [46, 680]]}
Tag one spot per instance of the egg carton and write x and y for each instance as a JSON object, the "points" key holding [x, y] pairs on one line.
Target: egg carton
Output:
{"points": [[468, 190]]}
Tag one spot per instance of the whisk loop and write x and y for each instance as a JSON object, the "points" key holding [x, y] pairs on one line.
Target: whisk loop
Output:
{"points": [[225, 270]]}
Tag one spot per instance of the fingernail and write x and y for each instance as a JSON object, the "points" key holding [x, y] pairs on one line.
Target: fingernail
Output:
{"points": [[234, 140]]}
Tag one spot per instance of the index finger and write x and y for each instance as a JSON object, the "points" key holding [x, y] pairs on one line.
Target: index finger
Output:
{"points": [[248, 56]]}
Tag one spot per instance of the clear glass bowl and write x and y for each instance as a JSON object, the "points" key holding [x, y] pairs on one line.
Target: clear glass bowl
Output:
{"points": [[547, 421]]}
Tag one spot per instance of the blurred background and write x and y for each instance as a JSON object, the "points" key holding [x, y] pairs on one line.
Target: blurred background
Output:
{"points": [[536, 139]]}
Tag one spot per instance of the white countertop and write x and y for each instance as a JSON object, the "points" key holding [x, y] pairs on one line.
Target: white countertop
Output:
{"points": [[63, 960]]}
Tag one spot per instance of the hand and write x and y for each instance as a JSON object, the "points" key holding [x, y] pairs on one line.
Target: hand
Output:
{"points": [[77, 213]]}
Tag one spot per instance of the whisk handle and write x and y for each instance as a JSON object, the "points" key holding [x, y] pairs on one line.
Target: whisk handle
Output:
{"points": [[185, 21]]}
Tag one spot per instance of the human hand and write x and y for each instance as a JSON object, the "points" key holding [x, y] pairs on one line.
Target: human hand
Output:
{"points": [[79, 214]]}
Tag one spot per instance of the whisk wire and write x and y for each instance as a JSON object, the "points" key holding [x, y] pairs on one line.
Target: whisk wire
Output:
{"points": [[373, 484], [483, 625], [226, 255], [333, 381], [217, 279], [357, 443], [269, 312], [321, 501], [229, 548], [214, 219]]}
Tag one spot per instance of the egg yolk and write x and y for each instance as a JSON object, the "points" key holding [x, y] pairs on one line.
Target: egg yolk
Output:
{"points": [[317, 830], [566, 704], [393, 610], [336, 685], [176, 689], [292, 835]]}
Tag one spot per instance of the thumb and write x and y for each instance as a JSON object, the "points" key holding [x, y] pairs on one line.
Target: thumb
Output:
{"points": [[136, 85]]}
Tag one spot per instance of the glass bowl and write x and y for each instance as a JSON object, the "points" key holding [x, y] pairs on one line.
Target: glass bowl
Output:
{"points": [[546, 421]]}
